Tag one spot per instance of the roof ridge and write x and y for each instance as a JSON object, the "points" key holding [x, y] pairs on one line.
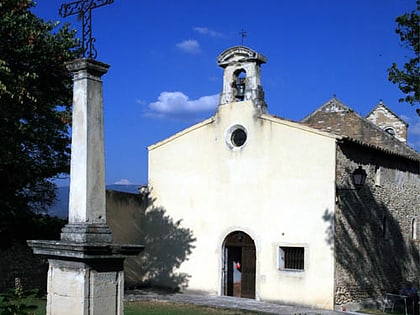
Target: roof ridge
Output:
{"points": [[334, 100], [340, 118]]}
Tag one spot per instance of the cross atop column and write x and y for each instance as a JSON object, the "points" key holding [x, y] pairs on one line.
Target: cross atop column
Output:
{"points": [[83, 8]]}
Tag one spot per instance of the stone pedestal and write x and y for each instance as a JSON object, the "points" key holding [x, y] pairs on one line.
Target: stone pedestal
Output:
{"points": [[86, 271], [85, 278]]}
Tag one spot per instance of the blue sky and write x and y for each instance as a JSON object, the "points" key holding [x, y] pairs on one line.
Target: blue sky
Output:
{"points": [[164, 77]]}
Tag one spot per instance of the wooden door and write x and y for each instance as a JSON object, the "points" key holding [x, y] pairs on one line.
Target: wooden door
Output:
{"points": [[248, 272], [233, 282], [239, 279]]}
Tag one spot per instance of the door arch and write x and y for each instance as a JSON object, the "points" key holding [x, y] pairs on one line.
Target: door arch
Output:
{"points": [[239, 263]]}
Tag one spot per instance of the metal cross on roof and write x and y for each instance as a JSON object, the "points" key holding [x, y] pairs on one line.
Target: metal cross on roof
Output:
{"points": [[83, 8], [243, 35]]}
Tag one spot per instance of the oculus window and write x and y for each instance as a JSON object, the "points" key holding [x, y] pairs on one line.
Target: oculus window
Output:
{"points": [[236, 136], [390, 130], [292, 258]]}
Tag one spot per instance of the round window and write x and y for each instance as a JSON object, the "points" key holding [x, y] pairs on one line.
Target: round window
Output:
{"points": [[236, 136], [390, 130]]}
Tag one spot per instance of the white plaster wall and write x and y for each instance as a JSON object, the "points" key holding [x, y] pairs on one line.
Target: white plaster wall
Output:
{"points": [[276, 188]]}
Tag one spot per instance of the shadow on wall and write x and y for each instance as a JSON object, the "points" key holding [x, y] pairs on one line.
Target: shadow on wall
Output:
{"points": [[167, 243], [372, 254]]}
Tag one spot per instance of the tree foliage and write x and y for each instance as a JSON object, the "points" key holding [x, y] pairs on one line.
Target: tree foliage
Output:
{"points": [[407, 78], [35, 105]]}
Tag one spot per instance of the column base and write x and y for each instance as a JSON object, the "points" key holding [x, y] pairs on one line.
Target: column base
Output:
{"points": [[86, 233], [85, 278]]}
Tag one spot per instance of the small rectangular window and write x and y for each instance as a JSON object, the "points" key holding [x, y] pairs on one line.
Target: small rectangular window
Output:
{"points": [[291, 258], [415, 228], [378, 172]]}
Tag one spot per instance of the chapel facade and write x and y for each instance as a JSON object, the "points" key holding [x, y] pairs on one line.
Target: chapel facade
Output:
{"points": [[271, 204]]}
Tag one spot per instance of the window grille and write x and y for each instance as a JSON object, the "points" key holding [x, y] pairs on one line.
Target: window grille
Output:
{"points": [[292, 258]]}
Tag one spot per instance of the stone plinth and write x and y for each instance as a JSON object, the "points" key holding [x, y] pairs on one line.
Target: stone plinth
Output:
{"points": [[85, 278]]}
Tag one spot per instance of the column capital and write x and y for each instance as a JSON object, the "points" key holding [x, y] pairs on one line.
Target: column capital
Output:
{"points": [[83, 67]]}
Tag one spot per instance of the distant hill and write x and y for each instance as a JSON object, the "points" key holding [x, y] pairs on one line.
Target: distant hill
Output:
{"points": [[60, 208], [134, 189]]}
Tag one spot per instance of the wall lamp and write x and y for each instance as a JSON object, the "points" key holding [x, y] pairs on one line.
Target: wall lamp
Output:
{"points": [[358, 177]]}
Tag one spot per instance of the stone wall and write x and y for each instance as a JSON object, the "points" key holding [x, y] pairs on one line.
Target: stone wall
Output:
{"points": [[18, 261], [167, 245], [124, 214], [375, 250]]}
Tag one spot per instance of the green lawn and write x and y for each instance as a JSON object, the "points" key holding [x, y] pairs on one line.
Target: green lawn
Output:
{"points": [[168, 308], [41, 305], [156, 308], [165, 308]]}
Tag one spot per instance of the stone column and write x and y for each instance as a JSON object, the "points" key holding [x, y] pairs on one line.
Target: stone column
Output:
{"points": [[86, 271], [87, 214]]}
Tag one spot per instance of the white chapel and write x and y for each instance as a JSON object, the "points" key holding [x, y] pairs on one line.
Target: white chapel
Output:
{"points": [[253, 188], [272, 205]]}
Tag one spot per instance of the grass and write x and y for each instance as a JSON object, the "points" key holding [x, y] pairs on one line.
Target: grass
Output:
{"points": [[169, 308], [166, 308], [40, 303], [155, 308]]}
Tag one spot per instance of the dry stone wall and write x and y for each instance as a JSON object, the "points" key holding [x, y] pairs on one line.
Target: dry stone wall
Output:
{"points": [[376, 250], [124, 214]]}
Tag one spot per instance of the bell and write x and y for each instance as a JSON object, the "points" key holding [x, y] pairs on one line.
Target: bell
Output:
{"points": [[240, 87]]}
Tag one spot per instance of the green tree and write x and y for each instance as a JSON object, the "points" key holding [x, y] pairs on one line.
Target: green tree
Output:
{"points": [[407, 78], [35, 106]]}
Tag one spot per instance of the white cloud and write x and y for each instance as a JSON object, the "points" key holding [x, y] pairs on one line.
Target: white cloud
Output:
{"points": [[123, 181], [173, 104], [207, 31], [190, 46], [141, 102]]}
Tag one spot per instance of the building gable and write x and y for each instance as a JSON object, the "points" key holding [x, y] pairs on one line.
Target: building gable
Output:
{"points": [[385, 119]]}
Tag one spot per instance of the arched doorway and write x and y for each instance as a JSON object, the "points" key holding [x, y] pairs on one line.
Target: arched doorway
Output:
{"points": [[239, 265]]}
